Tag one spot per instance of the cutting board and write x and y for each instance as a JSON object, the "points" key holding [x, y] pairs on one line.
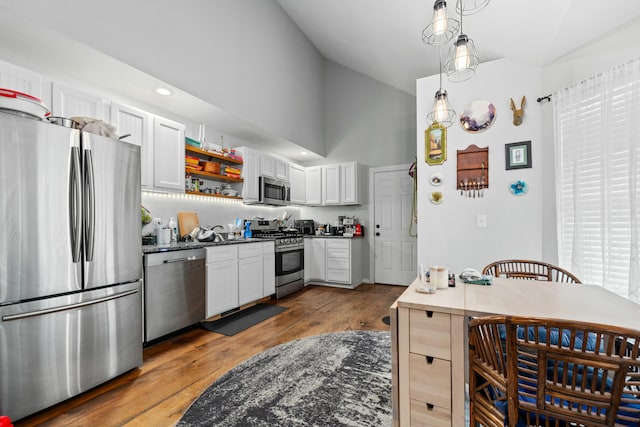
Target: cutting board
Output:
{"points": [[187, 221]]}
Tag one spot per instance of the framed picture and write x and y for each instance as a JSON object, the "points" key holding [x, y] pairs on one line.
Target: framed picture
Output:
{"points": [[435, 144], [517, 155]]}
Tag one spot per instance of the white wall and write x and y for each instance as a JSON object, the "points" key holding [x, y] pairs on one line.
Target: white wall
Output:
{"points": [[245, 57], [366, 120], [447, 233]]}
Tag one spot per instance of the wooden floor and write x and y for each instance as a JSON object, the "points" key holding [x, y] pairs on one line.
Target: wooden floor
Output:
{"points": [[175, 371]]}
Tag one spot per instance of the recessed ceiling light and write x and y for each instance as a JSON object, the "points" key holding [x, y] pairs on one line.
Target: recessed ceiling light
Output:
{"points": [[303, 153], [164, 91]]}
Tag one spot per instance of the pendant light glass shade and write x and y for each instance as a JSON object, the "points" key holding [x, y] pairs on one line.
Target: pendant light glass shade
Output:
{"points": [[442, 28], [462, 60], [441, 112], [469, 7]]}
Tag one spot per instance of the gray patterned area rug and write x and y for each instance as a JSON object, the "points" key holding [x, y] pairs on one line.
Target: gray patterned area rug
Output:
{"points": [[336, 379]]}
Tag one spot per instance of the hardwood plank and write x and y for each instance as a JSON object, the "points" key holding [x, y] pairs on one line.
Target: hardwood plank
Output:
{"points": [[180, 368]]}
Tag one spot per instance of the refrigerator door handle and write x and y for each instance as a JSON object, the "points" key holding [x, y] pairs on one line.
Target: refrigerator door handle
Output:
{"points": [[89, 199], [10, 317], [75, 203]]}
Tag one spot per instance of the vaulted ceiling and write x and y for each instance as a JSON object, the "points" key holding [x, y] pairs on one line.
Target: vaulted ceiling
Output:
{"points": [[383, 38]]}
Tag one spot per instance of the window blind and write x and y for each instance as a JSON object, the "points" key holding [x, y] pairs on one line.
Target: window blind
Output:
{"points": [[597, 141]]}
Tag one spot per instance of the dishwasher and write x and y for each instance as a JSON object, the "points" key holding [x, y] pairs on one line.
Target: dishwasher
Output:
{"points": [[174, 291]]}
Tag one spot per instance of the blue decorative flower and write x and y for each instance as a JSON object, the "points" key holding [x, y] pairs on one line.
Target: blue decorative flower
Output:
{"points": [[518, 188]]}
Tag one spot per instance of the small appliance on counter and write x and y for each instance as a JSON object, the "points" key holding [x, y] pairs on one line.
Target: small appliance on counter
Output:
{"points": [[306, 226]]}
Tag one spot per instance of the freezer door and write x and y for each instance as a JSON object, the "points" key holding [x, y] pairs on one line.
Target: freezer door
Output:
{"points": [[40, 205], [112, 223], [53, 349]]}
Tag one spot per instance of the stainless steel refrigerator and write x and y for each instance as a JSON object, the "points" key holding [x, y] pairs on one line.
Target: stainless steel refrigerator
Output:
{"points": [[70, 262]]}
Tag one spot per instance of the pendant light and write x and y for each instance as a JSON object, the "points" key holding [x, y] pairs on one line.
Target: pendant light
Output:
{"points": [[469, 7], [442, 28], [441, 112], [463, 59]]}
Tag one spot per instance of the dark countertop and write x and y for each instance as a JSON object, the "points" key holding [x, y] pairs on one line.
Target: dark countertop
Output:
{"points": [[331, 236], [180, 246]]}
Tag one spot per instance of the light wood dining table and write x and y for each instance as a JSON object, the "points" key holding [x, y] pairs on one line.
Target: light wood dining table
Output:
{"points": [[429, 336]]}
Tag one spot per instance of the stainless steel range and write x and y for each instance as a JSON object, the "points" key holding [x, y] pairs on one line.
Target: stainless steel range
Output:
{"points": [[289, 248]]}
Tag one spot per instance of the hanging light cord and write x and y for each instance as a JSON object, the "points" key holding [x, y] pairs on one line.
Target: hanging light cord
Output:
{"points": [[414, 202]]}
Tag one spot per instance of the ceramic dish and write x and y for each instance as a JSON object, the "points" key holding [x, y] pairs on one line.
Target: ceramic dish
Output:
{"points": [[477, 116], [436, 179], [519, 188], [436, 197], [24, 103]]}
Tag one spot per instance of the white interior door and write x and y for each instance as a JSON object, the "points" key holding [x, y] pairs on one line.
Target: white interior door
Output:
{"points": [[395, 250]]}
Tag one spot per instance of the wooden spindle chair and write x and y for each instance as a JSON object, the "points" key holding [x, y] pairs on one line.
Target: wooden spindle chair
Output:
{"points": [[557, 373], [529, 270]]}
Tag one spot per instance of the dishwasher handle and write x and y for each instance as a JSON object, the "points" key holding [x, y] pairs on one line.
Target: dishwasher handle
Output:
{"points": [[189, 258]]}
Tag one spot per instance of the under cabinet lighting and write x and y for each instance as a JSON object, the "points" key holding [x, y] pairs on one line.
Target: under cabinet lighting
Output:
{"points": [[164, 91]]}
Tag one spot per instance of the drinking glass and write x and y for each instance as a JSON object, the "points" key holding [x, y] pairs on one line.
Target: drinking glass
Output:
{"points": [[426, 285]]}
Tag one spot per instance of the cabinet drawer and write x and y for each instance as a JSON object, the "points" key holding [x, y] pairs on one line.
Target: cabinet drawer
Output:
{"points": [[424, 414], [430, 333], [337, 244], [338, 263], [268, 248], [222, 253], [247, 250], [338, 253], [343, 276], [430, 380]]}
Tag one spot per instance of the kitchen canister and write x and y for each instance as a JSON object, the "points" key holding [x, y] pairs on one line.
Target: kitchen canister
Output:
{"points": [[439, 275]]}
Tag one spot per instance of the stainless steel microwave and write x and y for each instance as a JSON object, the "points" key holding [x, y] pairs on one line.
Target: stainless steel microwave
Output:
{"points": [[274, 192]]}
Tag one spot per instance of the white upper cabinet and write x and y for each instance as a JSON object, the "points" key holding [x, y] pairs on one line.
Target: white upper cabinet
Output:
{"points": [[168, 154], [282, 170], [25, 81], [331, 185], [298, 181], [273, 167], [267, 166], [250, 173], [70, 102], [138, 124], [314, 186], [349, 183]]}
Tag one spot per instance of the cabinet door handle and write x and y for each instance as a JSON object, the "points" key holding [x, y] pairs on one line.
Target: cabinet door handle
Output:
{"points": [[429, 360], [377, 234], [429, 406], [429, 314]]}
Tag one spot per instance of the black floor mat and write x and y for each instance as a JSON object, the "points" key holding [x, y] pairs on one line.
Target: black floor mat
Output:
{"points": [[244, 319]]}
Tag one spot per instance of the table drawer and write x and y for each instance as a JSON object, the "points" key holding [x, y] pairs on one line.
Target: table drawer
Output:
{"points": [[424, 414], [430, 333], [430, 380]]}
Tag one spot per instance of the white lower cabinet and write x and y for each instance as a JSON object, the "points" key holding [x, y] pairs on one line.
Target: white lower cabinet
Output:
{"points": [[238, 274], [268, 268], [250, 272], [315, 261], [222, 279], [333, 261]]}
